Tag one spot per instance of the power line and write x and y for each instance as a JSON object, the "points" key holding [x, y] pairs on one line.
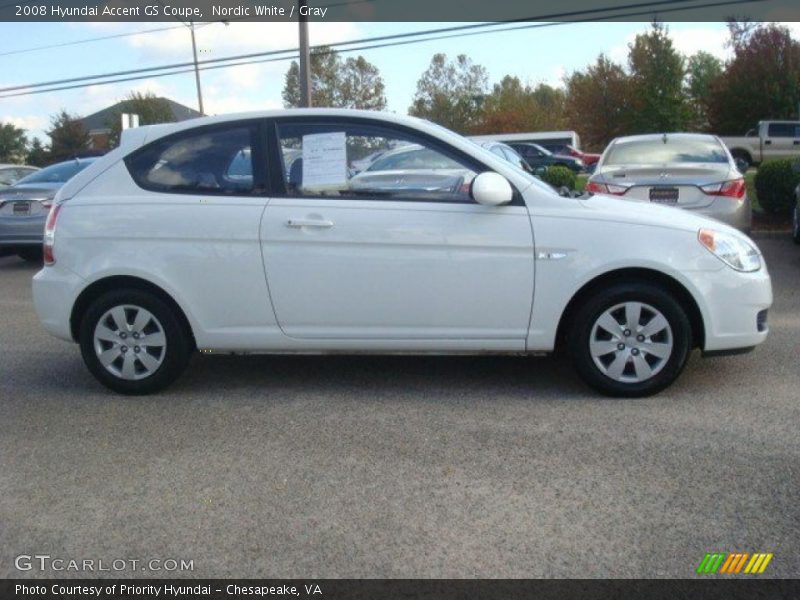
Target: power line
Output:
{"points": [[89, 40], [552, 16], [177, 68]]}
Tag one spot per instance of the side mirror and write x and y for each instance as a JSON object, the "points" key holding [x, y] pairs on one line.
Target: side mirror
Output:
{"points": [[742, 165], [491, 189]]}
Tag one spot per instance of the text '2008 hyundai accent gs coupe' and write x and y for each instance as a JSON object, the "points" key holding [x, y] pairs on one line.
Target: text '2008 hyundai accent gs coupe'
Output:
{"points": [[256, 233]]}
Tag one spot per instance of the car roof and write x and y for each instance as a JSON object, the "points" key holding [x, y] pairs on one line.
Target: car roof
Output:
{"points": [[659, 137], [147, 133]]}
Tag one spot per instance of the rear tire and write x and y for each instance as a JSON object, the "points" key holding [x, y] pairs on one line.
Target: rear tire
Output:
{"points": [[630, 340], [133, 342]]}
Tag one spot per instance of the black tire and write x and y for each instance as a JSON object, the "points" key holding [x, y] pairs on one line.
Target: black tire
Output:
{"points": [[31, 253], [796, 222], [177, 352], [742, 156], [590, 311]]}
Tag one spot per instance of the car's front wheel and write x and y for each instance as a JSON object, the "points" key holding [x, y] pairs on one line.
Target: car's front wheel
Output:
{"points": [[630, 340], [133, 342]]}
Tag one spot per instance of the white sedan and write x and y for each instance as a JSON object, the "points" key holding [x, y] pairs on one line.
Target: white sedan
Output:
{"points": [[196, 235]]}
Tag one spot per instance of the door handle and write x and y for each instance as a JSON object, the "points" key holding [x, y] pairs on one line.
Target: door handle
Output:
{"points": [[767, 142], [298, 223]]}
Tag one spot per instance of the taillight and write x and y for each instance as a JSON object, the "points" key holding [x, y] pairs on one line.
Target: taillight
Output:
{"points": [[734, 188], [602, 188], [596, 188], [50, 235]]}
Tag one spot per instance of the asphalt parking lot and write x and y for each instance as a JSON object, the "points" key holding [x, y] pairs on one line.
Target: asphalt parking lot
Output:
{"points": [[399, 466]]}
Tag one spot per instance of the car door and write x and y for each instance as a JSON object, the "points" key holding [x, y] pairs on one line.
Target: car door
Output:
{"points": [[397, 254], [782, 140]]}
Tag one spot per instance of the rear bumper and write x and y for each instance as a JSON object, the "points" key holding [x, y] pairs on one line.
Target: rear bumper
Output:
{"points": [[54, 293], [22, 231], [736, 214]]}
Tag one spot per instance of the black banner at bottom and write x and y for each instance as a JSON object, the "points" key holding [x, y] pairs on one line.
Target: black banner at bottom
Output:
{"points": [[391, 589]]}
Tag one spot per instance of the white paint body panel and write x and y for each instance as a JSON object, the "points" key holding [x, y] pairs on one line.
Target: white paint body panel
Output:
{"points": [[386, 276]]}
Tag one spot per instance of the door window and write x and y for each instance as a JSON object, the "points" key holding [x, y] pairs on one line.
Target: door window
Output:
{"points": [[789, 130], [214, 161], [355, 159]]}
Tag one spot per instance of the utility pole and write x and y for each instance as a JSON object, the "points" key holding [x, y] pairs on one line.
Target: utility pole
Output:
{"points": [[196, 70], [305, 58]]}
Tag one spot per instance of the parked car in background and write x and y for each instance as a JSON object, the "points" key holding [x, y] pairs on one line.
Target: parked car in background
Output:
{"points": [[770, 139], [11, 174], [152, 253], [412, 169], [589, 158], [685, 170], [537, 156], [506, 152], [24, 207]]}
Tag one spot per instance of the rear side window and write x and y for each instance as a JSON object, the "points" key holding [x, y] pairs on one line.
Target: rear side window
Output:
{"points": [[215, 161], [784, 130]]}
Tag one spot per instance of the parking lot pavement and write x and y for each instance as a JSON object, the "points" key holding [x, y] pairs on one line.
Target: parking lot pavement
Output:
{"points": [[399, 466]]}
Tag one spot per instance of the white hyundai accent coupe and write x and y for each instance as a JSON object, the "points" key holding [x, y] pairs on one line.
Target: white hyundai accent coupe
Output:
{"points": [[247, 234]]}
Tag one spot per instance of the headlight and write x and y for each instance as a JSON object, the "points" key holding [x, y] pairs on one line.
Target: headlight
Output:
{"points": [[730, 249]]}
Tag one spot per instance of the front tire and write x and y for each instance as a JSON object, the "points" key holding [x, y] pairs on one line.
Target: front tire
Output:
{"points": [[631, 340], [133, 342]]}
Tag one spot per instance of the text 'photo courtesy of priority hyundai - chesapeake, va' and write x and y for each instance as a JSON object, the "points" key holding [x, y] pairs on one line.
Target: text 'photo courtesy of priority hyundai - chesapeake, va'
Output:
{"points": [[371, 299]]}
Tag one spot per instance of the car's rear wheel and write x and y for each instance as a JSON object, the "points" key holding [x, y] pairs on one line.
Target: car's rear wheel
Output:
{"points": [[133, 342], [630, 340]]}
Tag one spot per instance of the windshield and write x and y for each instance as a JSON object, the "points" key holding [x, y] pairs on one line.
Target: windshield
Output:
{"points": [[58, 173], [647, 152]]}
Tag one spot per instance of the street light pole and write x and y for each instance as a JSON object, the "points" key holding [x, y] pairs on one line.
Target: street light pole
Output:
{"points": [[196, 70], [305, 58]]}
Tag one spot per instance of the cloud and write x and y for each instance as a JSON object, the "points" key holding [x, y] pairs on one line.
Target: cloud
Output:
{"points": [[686, 40], [35, 122]]}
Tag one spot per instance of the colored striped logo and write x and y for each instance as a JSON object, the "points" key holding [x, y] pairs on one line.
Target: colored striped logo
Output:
{"points": [[734, 563]]}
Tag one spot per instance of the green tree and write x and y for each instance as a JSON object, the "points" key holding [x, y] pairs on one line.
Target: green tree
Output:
{"points": [[68, 137], [451, 93], [701, 71], [38, 154], [337, 83], [762, 81], [657, 75], [12, 143], [598, 103], [150, 108], [513, 107]]}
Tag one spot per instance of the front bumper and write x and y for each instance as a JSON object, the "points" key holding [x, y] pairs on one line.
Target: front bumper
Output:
{"points": [[734, 308], [54, 293]]}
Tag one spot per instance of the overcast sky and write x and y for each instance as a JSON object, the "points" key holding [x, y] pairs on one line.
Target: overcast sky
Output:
{"points": [[535, 55]]}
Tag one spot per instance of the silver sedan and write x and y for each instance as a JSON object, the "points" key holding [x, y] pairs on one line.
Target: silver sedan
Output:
{"points": [[687, 170]]}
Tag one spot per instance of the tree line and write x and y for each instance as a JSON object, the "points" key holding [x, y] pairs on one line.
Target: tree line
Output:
{"points": [[657, 89]]}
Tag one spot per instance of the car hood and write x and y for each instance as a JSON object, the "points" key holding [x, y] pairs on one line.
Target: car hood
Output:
{"points": [[614, 208]]}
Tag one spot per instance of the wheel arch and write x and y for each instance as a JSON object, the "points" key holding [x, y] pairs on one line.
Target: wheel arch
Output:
{"points": [[636, 275], [116, 282]]}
